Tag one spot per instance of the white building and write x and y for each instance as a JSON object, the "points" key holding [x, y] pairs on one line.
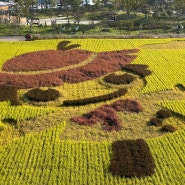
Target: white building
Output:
{"points": [[9, 3], [89, 2]]}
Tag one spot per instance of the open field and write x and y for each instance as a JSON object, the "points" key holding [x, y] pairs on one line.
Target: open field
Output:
{"points": [[95, 115]]}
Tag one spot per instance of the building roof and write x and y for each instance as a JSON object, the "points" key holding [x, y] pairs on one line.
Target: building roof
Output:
{"points": [[6, 3]]}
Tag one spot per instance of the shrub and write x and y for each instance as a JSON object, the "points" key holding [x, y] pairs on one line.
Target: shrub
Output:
{"points": [[119, 79], [104, 114], [131, 158], [156, 122], [107, 114], [109, 118], [9, 93], [42, 95], [168, 128], [127, 105], [164, 113], [106, 30]]}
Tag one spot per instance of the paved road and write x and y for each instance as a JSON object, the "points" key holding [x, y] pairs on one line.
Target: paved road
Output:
{"points": [[63, 20], [59, 20], [11, 38]]}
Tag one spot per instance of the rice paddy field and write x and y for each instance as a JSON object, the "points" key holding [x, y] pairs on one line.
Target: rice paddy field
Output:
{"points": [[92, 112]]}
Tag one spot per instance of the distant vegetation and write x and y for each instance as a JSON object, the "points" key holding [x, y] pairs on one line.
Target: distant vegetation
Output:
{"points": [[114, 19]]}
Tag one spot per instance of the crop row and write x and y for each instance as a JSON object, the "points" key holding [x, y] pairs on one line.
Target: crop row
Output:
{"points": [[102, 45], [177, 106], [11, 50], [86, 89], [44, 159], [21, 112], [174, 44], [162, 63], [167, 68]]}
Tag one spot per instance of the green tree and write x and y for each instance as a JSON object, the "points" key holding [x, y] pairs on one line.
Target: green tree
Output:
{"points": [[23, 8], [179, 4], [137, 4], [132, 5], [75, 8]]}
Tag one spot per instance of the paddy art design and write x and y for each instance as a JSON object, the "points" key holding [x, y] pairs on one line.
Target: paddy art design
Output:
{"points": [[92, 112]]}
